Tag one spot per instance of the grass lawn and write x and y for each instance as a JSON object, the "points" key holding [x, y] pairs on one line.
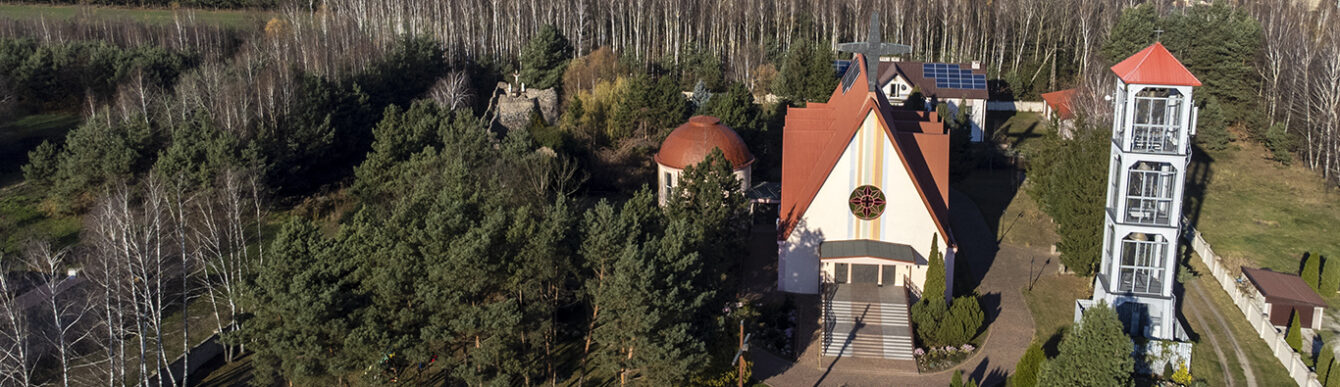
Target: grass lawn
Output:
{"points": [[1052, 303], [1260, 213], [1015, 129], [227, 18], [1010, 212], [1266, 368], [21, 221]]}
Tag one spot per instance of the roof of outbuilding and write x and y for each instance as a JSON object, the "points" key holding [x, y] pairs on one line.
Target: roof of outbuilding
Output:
{"points": [[1154, 65], [1060, 102], [1279, 286], [691, 142]]}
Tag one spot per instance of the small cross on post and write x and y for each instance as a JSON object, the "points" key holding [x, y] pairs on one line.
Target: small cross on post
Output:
{"points": [[1158, 35], [872, 48]]}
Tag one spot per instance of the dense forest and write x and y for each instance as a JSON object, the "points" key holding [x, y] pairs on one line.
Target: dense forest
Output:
{"points": [[330, 188]]}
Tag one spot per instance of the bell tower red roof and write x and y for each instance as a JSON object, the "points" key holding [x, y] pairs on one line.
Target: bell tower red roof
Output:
{"points": [[1154, 65]]}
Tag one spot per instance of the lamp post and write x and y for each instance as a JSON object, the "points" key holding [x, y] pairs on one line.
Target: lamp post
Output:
{"points": [[744, 346]]}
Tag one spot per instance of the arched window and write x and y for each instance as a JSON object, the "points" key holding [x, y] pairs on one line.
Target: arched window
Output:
{"points": [[1142, 259], [1149, 193]]}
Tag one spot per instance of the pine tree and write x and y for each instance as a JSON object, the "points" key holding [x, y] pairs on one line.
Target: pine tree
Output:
{"points": [[1068, 178], [736, 109], [957, 381], [1095, 352], [1211, 125], [545, 58], [1312, 272], [1295, 335]]}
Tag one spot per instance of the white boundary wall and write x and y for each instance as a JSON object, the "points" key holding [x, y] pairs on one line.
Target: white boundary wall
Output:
{"points": [[1251, 310], [1016, 106]]}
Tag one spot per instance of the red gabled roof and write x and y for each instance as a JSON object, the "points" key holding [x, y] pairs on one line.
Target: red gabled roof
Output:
{"points": [[1154, 65], [1060, 102], [816, 136]]}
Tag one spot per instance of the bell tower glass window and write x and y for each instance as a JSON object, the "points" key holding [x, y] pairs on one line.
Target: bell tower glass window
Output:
{"points": [[1142, 258]]}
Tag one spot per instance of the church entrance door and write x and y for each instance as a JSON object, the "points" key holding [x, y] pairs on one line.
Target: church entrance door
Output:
{"points": [[864, 274]]}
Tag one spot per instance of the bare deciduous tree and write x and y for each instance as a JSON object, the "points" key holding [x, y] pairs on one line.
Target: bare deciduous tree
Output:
{"points": [[16, 365]]}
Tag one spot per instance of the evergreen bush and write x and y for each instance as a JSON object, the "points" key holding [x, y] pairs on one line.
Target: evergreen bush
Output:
{"points": [[1295, 335], [1026, 371], [1330, 276], [1094, 352], [1279, 143], [1311, 272], [1325, 363]]}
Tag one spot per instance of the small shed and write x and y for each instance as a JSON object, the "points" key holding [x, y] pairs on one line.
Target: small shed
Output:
{"points": [[1284, 292]]}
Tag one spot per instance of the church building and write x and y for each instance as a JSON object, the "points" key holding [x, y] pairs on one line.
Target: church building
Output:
{"points": [[865, 188]]}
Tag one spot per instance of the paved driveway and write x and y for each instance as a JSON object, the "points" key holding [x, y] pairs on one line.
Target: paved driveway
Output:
{"points": [[1002, 271]]}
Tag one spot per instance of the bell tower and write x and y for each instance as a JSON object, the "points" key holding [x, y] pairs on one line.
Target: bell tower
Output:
{"points": [[1153, 122]]}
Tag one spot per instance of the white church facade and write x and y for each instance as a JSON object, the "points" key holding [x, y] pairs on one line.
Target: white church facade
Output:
{"points": [[864, 193]]}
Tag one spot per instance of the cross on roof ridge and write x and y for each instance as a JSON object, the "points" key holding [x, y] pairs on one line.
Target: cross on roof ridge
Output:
{"points": [[872, 49]]}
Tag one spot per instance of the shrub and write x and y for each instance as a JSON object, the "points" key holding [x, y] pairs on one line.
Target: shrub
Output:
{"points": [[1311, 272], [1325, 363], [1026, 371], [1330, 276], [1094, 350], [1183, 375], [1295, 335], [958, 379], [941, 325], [1279, 143], [965, 318]]}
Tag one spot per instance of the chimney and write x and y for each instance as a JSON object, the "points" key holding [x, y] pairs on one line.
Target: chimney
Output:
{"points": [[976, 65]]}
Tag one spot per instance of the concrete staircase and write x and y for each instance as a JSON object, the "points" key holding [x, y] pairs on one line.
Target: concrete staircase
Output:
{"points": [[867, 323]]}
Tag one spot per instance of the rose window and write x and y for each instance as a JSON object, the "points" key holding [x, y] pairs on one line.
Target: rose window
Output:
{"points": [[867, 202]]}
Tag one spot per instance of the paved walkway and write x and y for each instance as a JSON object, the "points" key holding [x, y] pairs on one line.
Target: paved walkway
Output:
{"points": [[1011, 325]]}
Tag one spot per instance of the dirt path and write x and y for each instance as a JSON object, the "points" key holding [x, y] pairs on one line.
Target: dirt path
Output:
{"points": [[1202, 302]]}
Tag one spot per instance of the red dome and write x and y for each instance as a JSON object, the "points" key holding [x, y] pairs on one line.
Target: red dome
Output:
{"points": [[690, 143]]}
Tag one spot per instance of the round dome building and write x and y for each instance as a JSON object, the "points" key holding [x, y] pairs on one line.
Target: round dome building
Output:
{"points": [[690, 143]]}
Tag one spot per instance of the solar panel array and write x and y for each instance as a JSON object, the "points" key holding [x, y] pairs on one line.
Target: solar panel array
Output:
{"points": [[950, 76], [850, 77]]}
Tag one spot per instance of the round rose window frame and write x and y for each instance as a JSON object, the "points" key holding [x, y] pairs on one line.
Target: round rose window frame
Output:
{"points": [[867, 202]]}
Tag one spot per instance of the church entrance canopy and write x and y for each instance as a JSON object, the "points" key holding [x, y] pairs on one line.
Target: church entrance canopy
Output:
{"points": [[867, 248]]}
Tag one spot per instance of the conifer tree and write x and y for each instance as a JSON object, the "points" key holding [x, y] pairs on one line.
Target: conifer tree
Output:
{"points": [[1295, 335], [1312, 272], [1026, 371], [1095, 352], [1326, 364], [545, 58], [1330, 276], [935, 271]]}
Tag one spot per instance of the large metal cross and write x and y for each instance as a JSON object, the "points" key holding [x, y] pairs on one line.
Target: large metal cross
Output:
{"points": [[872, 49]]}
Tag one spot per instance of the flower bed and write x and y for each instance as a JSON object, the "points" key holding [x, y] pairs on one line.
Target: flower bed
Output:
{"points": [[942, 358]]}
